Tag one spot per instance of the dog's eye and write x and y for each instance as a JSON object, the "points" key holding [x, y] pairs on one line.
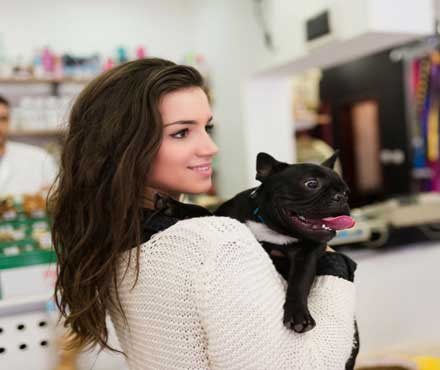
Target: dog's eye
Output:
{"points": [[312, 184]]}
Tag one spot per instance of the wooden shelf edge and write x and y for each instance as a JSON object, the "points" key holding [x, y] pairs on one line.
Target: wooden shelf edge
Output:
{"points": [[13, 80], [21, 133], [16, 305]]}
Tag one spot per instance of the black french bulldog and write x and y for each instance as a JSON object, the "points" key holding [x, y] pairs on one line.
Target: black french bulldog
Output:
{"points": [[295, 211]]}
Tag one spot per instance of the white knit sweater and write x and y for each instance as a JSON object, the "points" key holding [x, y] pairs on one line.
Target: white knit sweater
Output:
{"points": [[209, 297]]}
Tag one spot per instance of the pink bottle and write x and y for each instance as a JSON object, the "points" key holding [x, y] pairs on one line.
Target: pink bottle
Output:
{"points": [[47, 60], [140, 53], [109, 64]]}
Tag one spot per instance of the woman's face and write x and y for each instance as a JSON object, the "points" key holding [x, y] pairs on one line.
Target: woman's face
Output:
{"points": [[183, 164]]}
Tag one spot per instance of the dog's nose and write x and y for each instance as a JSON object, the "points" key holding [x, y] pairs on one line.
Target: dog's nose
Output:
{"points": [[338, 197]]}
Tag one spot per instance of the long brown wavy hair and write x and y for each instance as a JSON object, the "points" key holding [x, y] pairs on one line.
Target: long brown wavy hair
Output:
{"points": [[114, 133]]}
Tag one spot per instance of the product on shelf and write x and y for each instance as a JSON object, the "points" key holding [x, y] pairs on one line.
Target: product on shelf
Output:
{"points": [[46, 64], [34, 205], [25, 238], [425, 141], [7, 208]]}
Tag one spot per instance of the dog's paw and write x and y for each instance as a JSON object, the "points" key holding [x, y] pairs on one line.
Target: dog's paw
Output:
{"points": [[298, 319]]}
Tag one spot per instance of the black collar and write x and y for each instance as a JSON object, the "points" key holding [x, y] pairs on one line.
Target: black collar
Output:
{"points": [[154, 221], [257, 216], [256, 210]]}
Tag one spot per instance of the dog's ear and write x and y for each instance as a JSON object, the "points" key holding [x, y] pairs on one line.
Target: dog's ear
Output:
{"points": [[330, 162], [267, 165]]}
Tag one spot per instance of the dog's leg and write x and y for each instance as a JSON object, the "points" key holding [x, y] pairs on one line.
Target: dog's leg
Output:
{"points": [[302, 272]]}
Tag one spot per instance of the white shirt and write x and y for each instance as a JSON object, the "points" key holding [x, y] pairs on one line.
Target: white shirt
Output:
{"points": [[209, 298], [25, 169]]}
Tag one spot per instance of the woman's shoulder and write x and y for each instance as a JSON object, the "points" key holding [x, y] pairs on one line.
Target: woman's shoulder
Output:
{"points": [[207, 228], [197, 240]]}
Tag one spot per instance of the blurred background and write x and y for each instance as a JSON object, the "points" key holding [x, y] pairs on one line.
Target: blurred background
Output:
{"points": [[296, 79]]}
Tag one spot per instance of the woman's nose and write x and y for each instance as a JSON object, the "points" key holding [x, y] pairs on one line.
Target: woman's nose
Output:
{"points": [[209, 148]]}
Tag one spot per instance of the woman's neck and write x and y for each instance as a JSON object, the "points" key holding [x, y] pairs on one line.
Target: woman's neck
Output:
{"points": [[149, 196]]}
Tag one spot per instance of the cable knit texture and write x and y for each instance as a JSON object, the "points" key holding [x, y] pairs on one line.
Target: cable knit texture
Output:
{"points": [[209, 297]]}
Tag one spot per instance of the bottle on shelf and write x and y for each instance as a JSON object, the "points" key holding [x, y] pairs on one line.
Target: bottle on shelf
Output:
{"points": [[109, 64], [122, 55], [38, 70], [47, 59], [140, 52]]}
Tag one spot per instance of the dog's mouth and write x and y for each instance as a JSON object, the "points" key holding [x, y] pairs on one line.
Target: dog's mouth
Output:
{"points": [[325, 225]]}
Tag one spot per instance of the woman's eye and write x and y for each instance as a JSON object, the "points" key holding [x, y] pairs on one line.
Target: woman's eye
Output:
{"points": [[312, 184], [180, 134], [209, 128]]}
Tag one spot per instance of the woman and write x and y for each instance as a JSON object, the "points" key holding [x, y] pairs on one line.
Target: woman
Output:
{"points": [[199, 294]]}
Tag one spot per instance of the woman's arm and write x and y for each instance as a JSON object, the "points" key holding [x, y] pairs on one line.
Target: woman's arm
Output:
{"points": [[241, 296]]}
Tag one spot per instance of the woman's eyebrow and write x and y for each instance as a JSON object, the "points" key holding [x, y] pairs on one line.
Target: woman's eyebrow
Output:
{"points": [[185, 122]]}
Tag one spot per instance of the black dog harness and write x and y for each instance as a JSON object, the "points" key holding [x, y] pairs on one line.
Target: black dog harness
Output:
{"points": [[154, 221]]}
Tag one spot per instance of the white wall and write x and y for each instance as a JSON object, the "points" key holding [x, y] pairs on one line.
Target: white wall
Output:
{"points": [[85, 26], [349, 19], [228, 35], [268, 122]]}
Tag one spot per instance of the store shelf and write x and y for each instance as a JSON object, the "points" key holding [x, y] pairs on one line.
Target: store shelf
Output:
{"points": [[17, 80], [38, 133], [27, 304], [54, 84]]}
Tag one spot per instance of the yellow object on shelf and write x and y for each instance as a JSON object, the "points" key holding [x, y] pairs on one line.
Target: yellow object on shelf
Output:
{"points": [[427, 363], [401, 362]]}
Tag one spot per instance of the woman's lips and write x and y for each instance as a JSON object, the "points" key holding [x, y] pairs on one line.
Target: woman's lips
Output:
{"points": [[204, 169]]}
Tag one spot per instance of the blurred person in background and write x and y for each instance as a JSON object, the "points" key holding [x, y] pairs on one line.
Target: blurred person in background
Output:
{"points": [[24, 168]]}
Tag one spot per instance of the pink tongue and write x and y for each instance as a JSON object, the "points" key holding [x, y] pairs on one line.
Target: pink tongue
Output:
{"points": [[339, 223]]}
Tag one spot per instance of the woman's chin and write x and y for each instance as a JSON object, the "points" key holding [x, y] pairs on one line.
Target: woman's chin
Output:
{"points": [[200, 188]]}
